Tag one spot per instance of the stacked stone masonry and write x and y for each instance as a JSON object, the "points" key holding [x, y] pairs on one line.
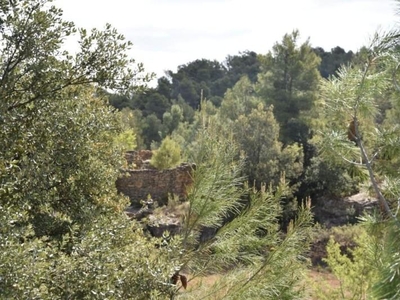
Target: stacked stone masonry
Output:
{"points": [[137, 184], [138, 159]]}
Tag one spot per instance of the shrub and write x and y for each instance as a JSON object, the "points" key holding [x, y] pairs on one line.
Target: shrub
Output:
{"points": [[354, 267], [167, 156]]}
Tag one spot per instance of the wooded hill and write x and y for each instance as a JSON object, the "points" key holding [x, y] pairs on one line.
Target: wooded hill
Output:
{"points": [[264, 132], [284, 81]]}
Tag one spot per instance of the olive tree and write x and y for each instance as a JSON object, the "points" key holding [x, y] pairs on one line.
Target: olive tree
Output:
{"points": [[64, 234]]}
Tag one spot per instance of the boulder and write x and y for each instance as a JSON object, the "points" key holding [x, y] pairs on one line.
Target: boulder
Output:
{"points": [[340, 211]]}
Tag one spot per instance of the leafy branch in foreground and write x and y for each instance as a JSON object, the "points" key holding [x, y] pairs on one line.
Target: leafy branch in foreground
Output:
{"points": [[371, 146], [36, 66], [351, 110], [234, 231], [63, 231]]}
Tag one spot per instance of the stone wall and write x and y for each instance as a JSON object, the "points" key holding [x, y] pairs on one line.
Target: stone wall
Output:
{"points": [[138, 159], [138, 184]]}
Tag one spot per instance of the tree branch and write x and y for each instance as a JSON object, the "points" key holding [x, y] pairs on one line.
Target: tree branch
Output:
{"points": [[382, 201], [352, 162], [77, 82]]}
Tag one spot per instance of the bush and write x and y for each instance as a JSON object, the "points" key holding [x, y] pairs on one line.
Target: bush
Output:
{"points": [[324, 178], [351, 258], [167, 156], [63, 233], [126, 140]]}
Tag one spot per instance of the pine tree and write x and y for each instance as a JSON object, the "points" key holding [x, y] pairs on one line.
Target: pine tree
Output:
{"points": [[353, 134], [232, 230], [289, 80]]}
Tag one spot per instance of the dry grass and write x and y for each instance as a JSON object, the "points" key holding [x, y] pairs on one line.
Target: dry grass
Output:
{"points": [[320, 280], [200, 287], [316, 279], [318, 276]]}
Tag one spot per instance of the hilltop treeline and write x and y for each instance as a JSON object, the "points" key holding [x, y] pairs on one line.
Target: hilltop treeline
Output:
{"points": [[264, 131], [284, 81]]}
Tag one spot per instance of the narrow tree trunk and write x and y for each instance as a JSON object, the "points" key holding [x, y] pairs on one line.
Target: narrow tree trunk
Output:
{"points": [[383, 205]]}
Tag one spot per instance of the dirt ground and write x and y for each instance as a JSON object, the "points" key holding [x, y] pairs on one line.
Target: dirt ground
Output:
{"points": [[317, 277]]}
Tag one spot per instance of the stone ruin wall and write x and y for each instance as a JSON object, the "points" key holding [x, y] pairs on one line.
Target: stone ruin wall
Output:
{"points": [[138, 159], [138, 183]]}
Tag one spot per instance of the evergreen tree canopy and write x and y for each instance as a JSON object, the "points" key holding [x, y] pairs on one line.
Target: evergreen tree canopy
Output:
{"points": [[289, 81], [333, 60]]}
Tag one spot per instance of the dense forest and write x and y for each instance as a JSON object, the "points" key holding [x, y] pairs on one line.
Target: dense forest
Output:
{"points": [[277, 93], [270, 136]]}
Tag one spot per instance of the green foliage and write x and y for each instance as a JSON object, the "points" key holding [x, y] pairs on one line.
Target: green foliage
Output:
{"points": [[327, 178], [289, 81], [59, 161], [261, 255], [245, 64], [211, 79], [132, 121], [119, 101], [257, 134], [110, 259], [155, 103], [387, 285], [352, 97], [199, 78], [333, 60], [239, 100], [217, 182], [62, 218], [345, 235], [63, 232], [125, 140], [167, 156], [355, 96], [148, 101], [172, 118], [231, 229], [339, 94], [151, 130], [356, 269], [187, 111]]}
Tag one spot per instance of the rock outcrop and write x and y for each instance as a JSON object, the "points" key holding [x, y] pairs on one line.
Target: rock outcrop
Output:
{"points": [[335, 212]]}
